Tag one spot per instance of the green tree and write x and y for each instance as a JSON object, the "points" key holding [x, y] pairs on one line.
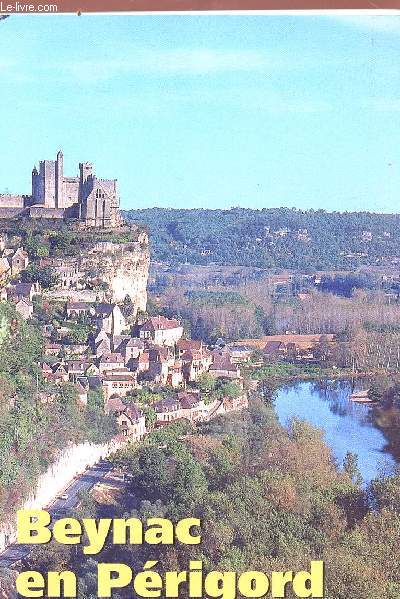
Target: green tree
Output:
{"points": [[350, 466]]}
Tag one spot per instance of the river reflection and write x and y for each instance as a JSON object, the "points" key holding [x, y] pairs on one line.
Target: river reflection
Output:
{"points": [[347, 425]]}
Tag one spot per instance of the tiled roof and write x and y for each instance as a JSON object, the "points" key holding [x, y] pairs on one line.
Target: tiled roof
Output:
{"points": [[103, 309], [160, 323], [133, 412], [189, 344], [111, 358], [121, 376], [78, 306], [167, 404]]}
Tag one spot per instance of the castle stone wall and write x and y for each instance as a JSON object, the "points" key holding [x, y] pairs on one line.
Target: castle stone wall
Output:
{"points": [[11, 201]]}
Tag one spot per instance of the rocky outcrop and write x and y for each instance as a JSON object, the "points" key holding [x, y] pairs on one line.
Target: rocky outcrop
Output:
{"points": [[122, 269]]}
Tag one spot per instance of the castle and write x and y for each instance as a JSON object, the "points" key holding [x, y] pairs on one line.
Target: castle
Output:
{"points": [[86, 198]]}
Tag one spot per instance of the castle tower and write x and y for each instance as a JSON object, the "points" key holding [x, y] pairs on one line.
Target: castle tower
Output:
{"points": [[59, 180], [85, 175], [35, 176]]}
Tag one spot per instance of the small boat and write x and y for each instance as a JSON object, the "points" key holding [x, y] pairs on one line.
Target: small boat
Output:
{"points": [[361, 397]]}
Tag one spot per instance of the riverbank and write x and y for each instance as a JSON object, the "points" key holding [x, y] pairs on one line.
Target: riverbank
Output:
{"points": [[291, 372], [347, 426]]}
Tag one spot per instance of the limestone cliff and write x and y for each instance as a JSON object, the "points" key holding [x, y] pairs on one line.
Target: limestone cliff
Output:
{"points": [[122, 269]]}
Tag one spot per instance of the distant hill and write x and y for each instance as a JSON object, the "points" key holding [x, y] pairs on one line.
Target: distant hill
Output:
{"points": [[274, 237]]}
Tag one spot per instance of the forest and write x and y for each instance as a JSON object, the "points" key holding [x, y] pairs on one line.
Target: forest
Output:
{"points": [[33, 429], [271, 237]]}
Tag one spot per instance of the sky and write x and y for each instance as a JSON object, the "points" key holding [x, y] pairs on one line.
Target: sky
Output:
{"points": [[208, 111]]}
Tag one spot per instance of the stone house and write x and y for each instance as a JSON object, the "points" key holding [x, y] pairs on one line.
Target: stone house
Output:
{"points": [[222, 366], [161, 331], [240, 353], [109, 318], [130, 419], [192, 406], [167, 409], [111, 362], [52, 349], [18, 261], [23, 290], [76, 309], [24, 308], [195, 362], [118, 383]]}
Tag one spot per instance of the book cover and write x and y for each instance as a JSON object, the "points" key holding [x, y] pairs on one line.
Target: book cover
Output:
{"points": [[199, 285]]}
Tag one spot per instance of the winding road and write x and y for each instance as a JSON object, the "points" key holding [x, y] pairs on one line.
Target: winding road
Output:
{"points": [[60, 508]]}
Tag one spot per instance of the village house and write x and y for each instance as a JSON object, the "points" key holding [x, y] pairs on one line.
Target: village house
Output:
{"points": [[161, 363], [175, 375], [240, 353], [222, 365], [76, 349], [130, 419], [18, 261], [79, 368], [111, 362], [23, 290], [66, 270], [274, 349], [52, 349], [142, 363], [102, 347], [184, 345], [55, 373], [76, 309], [101, 335], [161, 331], [76, 368], [114, 405], [46, 370], [132, 423], [129, 347], [118, 343], [24, 308], [120, 382], [192, 406], [196, 358], [109, 318], [227, 404], [167, 410]]}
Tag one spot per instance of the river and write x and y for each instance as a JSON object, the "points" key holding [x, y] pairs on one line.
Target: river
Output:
{"points": [[347, 425]]}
